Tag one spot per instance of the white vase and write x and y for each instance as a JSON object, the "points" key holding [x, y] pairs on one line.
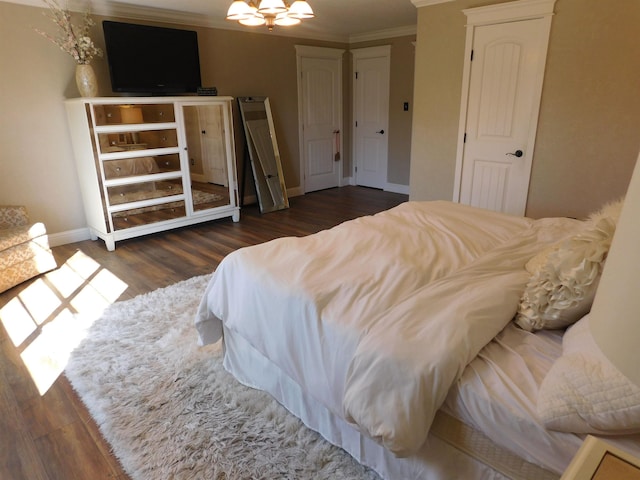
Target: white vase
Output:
{"points": [[86, 80]]}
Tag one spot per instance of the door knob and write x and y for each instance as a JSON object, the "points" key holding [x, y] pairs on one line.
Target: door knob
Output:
{"points": [[517, 153], [381, 131]]}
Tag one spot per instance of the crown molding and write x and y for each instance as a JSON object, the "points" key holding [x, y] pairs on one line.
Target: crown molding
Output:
{"points": [[177, 17], [382, 34], [427, 3]]}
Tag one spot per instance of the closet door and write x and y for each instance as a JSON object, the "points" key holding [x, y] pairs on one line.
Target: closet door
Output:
{"points": [[320, 116], [504, 74]]}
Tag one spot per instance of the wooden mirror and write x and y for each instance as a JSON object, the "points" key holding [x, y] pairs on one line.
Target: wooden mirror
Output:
{"points": [[262, 147]]}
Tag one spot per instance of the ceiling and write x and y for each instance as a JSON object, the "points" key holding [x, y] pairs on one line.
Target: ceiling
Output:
{"points": [[336, 20]]}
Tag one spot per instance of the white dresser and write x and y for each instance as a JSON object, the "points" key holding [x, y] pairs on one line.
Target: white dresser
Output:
{"points": [[148, 164]]}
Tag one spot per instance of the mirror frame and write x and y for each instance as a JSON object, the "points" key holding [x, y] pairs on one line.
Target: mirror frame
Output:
{"points": [[272, 196]]}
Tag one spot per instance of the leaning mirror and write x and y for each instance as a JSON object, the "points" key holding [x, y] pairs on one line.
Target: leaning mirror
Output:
{"points": [[264, 156]]}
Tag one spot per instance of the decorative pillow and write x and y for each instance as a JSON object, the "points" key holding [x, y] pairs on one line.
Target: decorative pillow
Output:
{"points": [[565, 276], [585, 393]]}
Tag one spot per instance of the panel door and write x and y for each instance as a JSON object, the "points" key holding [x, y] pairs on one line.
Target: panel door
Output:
{"points": [[371, 111], [321, 112], [504, 97]]}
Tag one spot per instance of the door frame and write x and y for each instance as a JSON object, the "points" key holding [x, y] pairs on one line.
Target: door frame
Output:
{"points": [[358, 54], [494, 14], [306, 51]]}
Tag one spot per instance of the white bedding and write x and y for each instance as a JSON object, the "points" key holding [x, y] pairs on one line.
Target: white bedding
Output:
{"points": [[498, 392], [377, 317]]}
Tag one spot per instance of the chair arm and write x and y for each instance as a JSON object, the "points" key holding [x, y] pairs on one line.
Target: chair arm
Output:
{"points": [[13, 216]]}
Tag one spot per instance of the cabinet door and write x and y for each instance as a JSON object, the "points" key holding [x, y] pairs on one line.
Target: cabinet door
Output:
{"points": [[208, 155]]}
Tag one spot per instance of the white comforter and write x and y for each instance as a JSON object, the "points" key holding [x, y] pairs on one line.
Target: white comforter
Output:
{"points": [[377, 317]]}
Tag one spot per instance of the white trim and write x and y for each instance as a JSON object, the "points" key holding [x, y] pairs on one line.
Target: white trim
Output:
{"points": [[427, 3], [318, 52], [509, 12], [70, 236], [198, 19], [384, 34], [307, 51], [371, 52], [295, 192], [397, 188]]}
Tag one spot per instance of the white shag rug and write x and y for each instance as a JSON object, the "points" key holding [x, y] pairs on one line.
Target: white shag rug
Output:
{"points": [[170, 410]]}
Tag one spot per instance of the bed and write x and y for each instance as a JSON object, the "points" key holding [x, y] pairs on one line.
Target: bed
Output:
{"points": [[394, 337]]}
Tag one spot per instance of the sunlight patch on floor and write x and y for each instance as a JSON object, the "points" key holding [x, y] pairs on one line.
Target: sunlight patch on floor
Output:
{"points": [[50, 317]]}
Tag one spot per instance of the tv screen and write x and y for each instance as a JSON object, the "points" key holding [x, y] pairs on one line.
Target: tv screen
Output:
{"points": [[151, 60]]}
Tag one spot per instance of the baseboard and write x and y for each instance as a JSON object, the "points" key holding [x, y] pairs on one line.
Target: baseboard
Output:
{"points": [[397, 188], [70, 236], [295, 192]]}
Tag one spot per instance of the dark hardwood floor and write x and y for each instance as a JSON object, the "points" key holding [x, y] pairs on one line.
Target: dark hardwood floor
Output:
{"points": [[45, 431]]}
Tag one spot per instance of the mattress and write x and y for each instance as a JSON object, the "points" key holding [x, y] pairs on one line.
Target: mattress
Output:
{"points": [[497, 395], [486, 430], [452, 450]]}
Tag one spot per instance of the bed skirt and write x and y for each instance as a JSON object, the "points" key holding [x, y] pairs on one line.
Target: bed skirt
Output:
{"points": [[452, 450]]}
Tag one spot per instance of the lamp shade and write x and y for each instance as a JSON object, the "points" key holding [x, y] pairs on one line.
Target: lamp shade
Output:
{"points": [[284, 20], [300, 9], [615, 315], [253, 21], [272, 7], [239, 10]]}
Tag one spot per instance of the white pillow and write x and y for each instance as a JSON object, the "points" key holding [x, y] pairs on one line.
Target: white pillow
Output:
{"points": [[565, 276], [585, 393]]}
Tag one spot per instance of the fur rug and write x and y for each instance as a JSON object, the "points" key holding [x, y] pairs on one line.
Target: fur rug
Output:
{"points": [[170, 410]]}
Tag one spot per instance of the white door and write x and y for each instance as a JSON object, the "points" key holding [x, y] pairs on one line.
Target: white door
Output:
{"points": [[213, 147], [320, 113], [371, 115], [505, 85]]}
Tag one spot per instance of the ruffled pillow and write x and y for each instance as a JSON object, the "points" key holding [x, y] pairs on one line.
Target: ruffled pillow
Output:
{"points": [[565, 276], [585, 393]]}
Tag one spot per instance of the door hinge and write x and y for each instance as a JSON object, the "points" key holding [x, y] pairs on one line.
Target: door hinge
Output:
{"points": [[464, 140], [356, 75], [472, 55]]}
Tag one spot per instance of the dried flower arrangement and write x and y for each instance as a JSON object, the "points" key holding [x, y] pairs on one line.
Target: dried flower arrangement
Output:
{"points": [[73, 39]]}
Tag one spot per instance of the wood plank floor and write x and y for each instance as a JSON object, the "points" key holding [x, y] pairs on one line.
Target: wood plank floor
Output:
{"points": [[45, 431]]}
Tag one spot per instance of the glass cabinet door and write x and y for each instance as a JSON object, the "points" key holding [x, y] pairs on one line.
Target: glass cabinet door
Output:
{"points": [[207, 156]]}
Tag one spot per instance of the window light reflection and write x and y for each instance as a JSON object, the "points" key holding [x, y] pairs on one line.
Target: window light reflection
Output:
{"points": [[52, 315]]}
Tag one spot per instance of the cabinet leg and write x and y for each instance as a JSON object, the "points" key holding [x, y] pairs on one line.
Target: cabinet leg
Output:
{"points": [[111, 245], [236, 216]]}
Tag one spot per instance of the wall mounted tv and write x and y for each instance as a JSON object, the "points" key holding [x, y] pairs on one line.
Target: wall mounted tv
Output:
{"points": [[151, 60]]}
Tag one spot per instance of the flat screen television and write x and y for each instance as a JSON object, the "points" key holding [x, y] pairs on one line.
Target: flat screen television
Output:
{"points": [[150, 60]]}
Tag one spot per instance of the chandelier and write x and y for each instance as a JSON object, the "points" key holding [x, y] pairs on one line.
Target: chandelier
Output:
{"points": [[269, 12]]}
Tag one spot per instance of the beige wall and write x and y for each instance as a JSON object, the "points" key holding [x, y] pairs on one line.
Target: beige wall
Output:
{"points": [[588, 138], [36, 162]]}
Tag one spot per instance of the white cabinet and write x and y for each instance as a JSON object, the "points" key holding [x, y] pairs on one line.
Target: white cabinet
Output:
{"points": [[151, 164]]}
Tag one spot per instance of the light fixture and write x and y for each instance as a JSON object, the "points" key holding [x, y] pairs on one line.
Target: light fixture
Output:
{"points": [[269, 12]]}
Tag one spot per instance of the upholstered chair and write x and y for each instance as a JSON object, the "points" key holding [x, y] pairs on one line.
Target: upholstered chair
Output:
{"points": [[24, 247]]}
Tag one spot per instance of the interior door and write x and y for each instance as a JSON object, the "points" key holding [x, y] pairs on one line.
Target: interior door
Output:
{"points": [[213, 148], [505, 86], [321, 119], [371, 115]]}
